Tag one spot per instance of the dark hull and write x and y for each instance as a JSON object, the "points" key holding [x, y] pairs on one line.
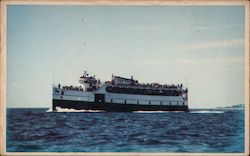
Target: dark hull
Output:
{"points": [[114, 107]]}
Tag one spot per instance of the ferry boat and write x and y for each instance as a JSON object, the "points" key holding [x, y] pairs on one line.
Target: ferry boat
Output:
{"points": [[120, 95]]}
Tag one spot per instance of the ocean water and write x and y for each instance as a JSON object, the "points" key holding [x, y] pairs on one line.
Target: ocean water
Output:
{"points": [[40, 130]]}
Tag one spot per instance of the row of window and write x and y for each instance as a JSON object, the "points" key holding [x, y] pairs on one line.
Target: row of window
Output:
{"points": [[112, 89], [146, 102]]}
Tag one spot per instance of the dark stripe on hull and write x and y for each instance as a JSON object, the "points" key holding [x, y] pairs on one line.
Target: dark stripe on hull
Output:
{"points": [[114, 107]]}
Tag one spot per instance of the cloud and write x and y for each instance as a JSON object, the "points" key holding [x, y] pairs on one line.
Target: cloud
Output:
{"points": [[233, 61], [228, 26], [214, 44], [181, 64], [216, 64], [190, 61]]}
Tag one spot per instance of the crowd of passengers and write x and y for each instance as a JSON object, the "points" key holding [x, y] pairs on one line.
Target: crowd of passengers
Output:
{"points": [[149, 85], [71, 87], [156, 85], [114, 89]]}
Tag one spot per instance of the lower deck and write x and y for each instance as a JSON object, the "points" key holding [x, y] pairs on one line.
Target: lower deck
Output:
{"points": [[114, 107]]}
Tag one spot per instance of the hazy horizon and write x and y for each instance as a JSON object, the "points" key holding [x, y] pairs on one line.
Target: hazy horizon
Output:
{"points": [[165, 44]]}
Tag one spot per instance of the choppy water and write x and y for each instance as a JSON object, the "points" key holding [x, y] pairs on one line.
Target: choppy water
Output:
{"points": [[36, 130]]}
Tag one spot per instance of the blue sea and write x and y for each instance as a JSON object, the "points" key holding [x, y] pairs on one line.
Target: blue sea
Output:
{"points": [[200, 130]]}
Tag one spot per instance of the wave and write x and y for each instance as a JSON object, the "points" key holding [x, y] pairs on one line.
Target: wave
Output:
{"points": [[58, 109], [49, 110], [152, 111], [207, 111]]}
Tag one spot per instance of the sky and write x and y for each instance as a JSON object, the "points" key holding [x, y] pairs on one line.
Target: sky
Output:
{"points": [[199, 46]]}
